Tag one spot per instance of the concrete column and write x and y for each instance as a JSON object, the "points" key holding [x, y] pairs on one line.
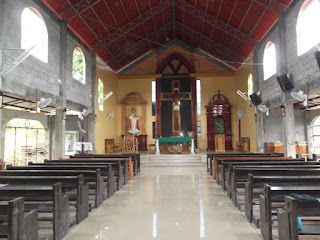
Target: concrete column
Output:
{"points": [[289, 132], [2, 128], [92, 116], [260, 131], [51, 132], [59, 122]]}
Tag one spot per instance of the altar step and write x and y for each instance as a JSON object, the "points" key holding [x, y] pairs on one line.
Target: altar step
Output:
{"points": [[174, 160]]}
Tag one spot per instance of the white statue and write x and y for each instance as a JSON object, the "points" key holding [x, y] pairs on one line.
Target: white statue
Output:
{"points": [[133, 123]]}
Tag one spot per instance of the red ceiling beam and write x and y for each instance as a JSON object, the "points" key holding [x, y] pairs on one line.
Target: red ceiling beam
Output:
{"points": [[219, 46], [214, 22], [257, 22], [150, 38], [122, 30]]}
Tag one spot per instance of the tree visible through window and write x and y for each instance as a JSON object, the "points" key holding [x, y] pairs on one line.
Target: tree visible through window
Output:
{"points": [[79, 65], [34, 32], [25, 140], [269, 60], [308, 34], [100, 95]]}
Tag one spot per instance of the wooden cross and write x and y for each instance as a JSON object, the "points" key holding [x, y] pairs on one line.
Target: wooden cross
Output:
{"points": [[175, 96]]}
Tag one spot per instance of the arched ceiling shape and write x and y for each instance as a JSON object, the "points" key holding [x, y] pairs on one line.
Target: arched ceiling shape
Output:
{"points": [[122, 31]]}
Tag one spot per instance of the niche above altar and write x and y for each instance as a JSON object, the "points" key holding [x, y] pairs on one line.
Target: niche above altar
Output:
{"points": [[134, 102]]}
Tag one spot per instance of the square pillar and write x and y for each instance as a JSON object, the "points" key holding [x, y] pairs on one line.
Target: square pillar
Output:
{"points": [[92, 116], [289, 130], [260, 131]]}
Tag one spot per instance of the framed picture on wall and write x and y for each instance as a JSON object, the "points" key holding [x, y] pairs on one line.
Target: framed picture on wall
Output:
{"points": [[70, 138]]}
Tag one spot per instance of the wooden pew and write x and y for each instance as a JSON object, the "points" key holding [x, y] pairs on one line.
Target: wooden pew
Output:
{"points": [[42, 194], [227, 167], [68, 184], [212, 155], [92, 178], [218, 160], [125, 163], [99, 186], [255, 186], [276, 194], [15, 223], [287, 219], [134, 156], [211, 159], [119, 166], [240, 175]]}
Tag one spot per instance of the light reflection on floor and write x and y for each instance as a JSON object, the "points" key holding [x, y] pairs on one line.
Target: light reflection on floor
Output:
{"points": [[162, 203]]}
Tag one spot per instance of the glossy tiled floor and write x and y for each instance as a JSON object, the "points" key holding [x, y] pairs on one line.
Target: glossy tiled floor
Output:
{"points": [[166, 203]]}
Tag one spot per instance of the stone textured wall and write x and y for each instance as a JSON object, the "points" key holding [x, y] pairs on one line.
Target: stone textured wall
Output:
{"points": [[301, 69], [32, 73]]}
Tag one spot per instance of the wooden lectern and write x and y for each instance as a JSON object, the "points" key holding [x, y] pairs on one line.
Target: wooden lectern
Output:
{"points": [[220, 143]]}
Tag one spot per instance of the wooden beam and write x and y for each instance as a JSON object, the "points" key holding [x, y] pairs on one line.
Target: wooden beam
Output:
{"points": [[196, 75]]}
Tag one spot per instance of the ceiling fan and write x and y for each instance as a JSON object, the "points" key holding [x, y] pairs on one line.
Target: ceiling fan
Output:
{"points": [[241, 114], [264, 109], [300, 97], [42, 103], [84, 113]]}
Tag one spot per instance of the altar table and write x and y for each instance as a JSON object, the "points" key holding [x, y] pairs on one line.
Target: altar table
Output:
{"points": [[174, 140]]}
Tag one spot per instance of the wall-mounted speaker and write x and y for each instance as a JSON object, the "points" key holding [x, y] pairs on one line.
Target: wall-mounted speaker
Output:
{"points": [[318, 58], [256, 98], [284, 82]]}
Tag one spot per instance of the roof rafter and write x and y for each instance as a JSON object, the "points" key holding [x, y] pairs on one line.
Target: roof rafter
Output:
{"points": [[161, 6], [214, 22], [220, 48], [148, 38]]}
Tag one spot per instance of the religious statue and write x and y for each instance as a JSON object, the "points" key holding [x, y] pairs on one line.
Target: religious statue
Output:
{"points": [[133, 122], [176, 116]]}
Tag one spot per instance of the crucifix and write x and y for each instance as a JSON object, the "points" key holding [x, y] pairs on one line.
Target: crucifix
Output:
{"points": [[175, 96]]}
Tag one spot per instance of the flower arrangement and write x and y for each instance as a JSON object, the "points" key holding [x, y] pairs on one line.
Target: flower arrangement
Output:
{"points": [[175, 148]]}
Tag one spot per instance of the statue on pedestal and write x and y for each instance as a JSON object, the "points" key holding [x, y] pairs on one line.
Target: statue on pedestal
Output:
{"points": [[133, 123]]}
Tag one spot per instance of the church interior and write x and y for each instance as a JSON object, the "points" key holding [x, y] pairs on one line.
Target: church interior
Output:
{"points": [[159, 119]]}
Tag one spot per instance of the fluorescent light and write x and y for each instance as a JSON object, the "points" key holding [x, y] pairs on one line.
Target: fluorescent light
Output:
{"points": [[107, 96]]}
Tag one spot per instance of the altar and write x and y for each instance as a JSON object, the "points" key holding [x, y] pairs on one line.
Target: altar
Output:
{"points": [[165, 141]]}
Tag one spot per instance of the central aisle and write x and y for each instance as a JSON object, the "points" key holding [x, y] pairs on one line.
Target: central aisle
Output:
{"points": [[166, 203]]}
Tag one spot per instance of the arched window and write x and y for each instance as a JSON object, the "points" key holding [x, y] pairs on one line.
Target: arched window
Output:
{"points": [[34, 32], [25, 140], [100, 95], [269, 60], [79, 65], [250, 85], [308, 34], [316, 135]]}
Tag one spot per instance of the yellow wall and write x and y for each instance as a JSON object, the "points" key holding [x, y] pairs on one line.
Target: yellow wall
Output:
{"points": [[143, 87], [106, 128], [210, 87], [228, 84], [248, 125]]}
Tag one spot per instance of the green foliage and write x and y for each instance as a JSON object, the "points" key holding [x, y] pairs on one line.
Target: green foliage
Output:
{"points": [[78, 65]]}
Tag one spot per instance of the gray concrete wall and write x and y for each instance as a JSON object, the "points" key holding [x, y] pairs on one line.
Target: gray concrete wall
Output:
{"points": [[301, 69], [34, 74]]}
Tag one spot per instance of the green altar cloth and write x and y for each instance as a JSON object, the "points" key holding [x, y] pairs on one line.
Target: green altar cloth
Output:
{"points": [[174, 139]]}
